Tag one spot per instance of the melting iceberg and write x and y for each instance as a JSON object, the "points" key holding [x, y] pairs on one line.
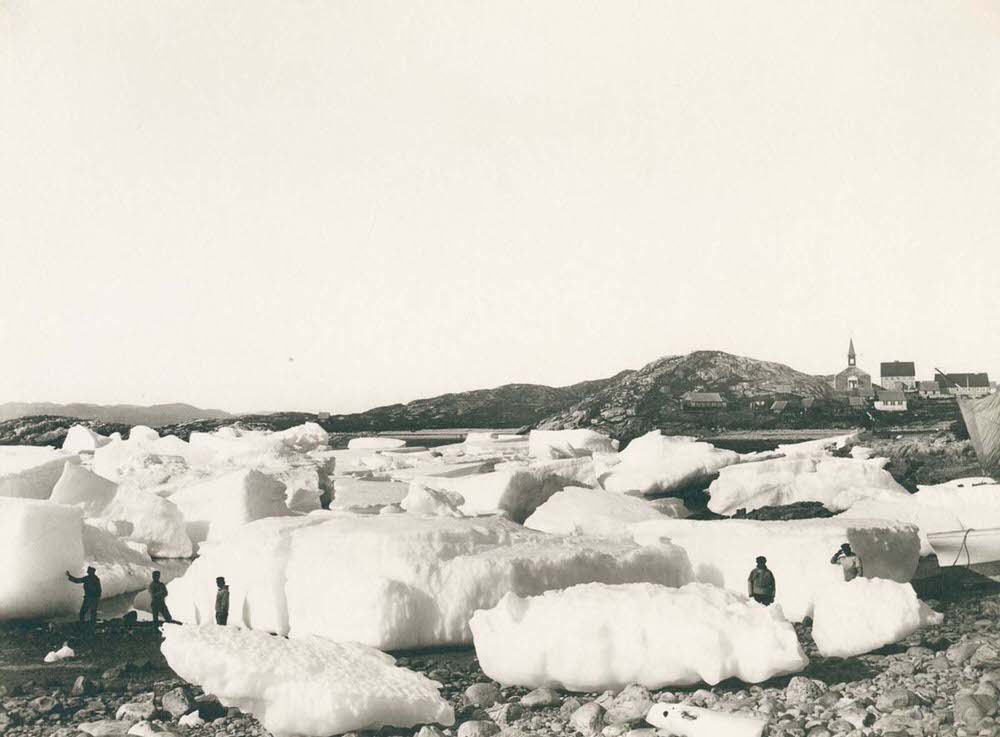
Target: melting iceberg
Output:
{"points": [[594, 637], [398, 581]]}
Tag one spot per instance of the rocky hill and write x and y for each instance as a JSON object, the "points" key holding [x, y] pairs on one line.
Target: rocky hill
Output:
{"points": [[508, 406], [156, 415], [651, 397]]}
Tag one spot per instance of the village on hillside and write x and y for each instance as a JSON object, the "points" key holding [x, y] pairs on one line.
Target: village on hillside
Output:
{"points": [[854, 392]]}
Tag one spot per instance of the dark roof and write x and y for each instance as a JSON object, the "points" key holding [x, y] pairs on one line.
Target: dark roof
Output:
{"points": [[856, 401], [898, 368], [965, 380], [890, 396], [704, 397], [928, 386]]}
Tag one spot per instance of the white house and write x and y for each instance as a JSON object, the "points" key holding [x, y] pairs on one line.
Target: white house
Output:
{"points": [[890, 401], [930, 390]]}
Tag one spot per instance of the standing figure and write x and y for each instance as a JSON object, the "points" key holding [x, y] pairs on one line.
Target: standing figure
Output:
{"points": [[91, 594], [760, 585], [221, 601], [158, 599], [849, 561]]}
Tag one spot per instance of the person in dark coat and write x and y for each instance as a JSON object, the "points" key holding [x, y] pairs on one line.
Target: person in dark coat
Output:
{"points": [[760, 585], [849, 561], [221, 601], [91, 594], [158, 599]]}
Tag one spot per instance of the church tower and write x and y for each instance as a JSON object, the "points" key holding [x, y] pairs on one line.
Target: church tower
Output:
{"points": [[852, 358]]}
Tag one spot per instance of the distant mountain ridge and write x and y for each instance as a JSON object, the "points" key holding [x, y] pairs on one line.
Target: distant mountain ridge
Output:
{"points": [[624, 405], [156, 415]]}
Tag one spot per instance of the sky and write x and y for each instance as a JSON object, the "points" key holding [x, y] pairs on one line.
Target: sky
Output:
{"points": [[334, 205]]}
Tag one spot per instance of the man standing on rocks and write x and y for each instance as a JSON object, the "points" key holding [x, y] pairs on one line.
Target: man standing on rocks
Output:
{"points": [[849, 561], [221, 601], [91, 594], [158, 599], [760, 585]]}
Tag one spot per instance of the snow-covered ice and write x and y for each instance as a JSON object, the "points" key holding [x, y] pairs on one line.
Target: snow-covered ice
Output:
{"points": [[28, 472], [595, 512], [148, 519], [684, 720], [864, 614], [308, 687], [80, 438], [658, 464], [594, 637], [401, 580], [722, 552], [554, 444], [63, 653], [837, 483], [213, 509]]}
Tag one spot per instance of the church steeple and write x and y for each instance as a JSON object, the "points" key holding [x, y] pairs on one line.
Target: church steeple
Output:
{"points": [[852, 358]]}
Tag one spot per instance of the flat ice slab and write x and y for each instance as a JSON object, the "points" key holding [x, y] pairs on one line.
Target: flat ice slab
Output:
{"points": [[723, 552], [594, 512], [865, 614], [594, 637], [311, 687], [375, 443], [837, 483], [398, 581], [554, 444]]}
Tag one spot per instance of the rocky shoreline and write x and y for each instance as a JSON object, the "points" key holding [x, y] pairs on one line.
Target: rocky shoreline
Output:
{"points": [[944, 680]]}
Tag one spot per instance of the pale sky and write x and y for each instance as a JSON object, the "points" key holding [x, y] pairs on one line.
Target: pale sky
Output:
{"points": [[334, 205]]}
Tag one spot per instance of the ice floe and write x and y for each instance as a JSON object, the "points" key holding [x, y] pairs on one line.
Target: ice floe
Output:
{"points": [[310, 686]]}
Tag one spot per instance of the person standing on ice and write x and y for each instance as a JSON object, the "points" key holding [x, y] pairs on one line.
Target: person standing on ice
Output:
{"points": [[158, 599], [849, 561], [91, 594], [760, 585], [221, 601]]}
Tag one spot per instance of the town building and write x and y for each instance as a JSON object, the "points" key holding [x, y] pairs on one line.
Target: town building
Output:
{"points": [[857, 403], [964, 385], [853, 380], [930, 390], [890, 401], [899, 376], [779, 406], [704, 400]]}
